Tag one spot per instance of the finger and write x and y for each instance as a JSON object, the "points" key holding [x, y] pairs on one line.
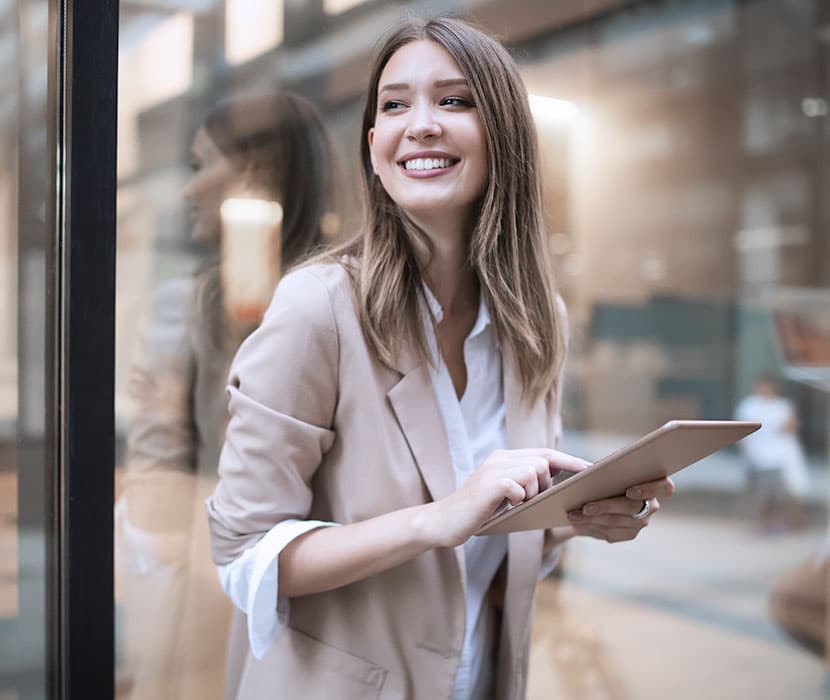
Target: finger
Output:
{"points": [[543, 474], [591, 531], [511, 490], [558, 461], [526, 475], [621, 505], [608, 521], [529, 478], [610, 534], [661, 488], [563, 462]]}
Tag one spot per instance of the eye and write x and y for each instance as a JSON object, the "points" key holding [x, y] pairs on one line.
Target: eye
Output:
{"points": [[391, 104], [457, 102]]}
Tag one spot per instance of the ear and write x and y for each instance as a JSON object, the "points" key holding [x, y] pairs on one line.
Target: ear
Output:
{"points": [[370, 138]]}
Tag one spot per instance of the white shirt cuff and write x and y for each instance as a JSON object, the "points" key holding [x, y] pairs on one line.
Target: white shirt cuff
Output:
{"points": [[139, 551], [252, 579]]}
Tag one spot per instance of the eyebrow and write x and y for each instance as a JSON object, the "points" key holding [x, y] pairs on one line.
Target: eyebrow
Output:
{"points": [[438, 83]]}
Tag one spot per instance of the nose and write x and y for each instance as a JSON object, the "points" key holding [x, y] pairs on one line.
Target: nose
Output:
{"points": [[423, 124]]}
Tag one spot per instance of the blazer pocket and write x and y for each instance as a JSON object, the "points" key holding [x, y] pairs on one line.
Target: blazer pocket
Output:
{"points": [[300, 666]]}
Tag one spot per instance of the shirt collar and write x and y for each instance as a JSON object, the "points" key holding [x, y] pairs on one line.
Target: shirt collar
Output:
{"points": [[482, 319]]}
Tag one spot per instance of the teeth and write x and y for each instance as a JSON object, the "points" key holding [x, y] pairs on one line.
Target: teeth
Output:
{"points": [[427, 163]]}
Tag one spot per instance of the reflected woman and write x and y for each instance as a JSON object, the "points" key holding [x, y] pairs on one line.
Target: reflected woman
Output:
{"points": [[397, 392], [256, 198]]}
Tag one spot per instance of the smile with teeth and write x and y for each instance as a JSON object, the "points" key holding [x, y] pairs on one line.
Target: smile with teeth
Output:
{"points": [[429, 163]]}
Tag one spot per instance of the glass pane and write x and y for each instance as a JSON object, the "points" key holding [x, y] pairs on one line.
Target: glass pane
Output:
{"points": [[24, 240], [684, 149], [219, 186]]}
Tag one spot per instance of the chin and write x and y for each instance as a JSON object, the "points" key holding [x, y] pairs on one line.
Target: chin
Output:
{"points": [[432, 210]]}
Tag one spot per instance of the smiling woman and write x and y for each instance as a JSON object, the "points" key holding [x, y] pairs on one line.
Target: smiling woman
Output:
{"points": [[416, 387]]}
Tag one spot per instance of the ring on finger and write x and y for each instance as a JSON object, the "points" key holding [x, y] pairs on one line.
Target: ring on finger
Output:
{"points": [[644, 511]]}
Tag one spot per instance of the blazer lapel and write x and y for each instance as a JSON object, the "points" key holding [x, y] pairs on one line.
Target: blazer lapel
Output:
{"points": [[525, 428], [416, 408]]}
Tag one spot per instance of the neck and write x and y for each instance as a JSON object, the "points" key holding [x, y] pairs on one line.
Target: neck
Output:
{"points": [[447, 272]]}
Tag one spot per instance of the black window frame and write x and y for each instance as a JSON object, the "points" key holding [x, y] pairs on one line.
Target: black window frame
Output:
{"points": [[83, 114]]}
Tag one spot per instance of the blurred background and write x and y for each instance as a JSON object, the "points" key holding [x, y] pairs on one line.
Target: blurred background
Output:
{"points": [[685, 150]]}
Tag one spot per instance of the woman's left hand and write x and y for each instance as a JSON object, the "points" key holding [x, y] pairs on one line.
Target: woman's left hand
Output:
{"points": [[620, 519]]}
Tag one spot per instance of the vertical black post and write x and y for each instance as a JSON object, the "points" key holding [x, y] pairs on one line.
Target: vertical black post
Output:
{"points": [[87, 349]]}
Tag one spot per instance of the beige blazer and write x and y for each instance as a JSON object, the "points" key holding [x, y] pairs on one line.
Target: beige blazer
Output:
{"points": [[319, 429]]}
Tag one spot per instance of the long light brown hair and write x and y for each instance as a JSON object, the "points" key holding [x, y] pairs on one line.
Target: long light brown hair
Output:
{"points": [[508, 248]]}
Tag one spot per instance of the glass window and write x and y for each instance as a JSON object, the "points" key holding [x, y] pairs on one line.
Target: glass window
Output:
{"points": [[25, 238], [684, 149]]}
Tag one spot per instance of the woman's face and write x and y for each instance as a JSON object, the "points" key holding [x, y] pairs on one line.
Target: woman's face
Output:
{"points": [[211, 181], [427, 145]]}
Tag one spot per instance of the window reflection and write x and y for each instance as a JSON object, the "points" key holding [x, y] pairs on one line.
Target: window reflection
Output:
{"points": [[255, 196]]}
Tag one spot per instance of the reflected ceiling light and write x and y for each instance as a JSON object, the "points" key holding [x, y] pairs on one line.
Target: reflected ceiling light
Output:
{"points": [[814, 106], [335, 7], [251, 211], [551, 110], [653, 268], [252, 27]]}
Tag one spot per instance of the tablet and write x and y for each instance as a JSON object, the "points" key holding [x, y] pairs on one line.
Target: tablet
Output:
{"points": [[670, 448]]}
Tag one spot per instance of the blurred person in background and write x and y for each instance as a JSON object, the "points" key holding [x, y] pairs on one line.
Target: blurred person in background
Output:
{"points": [[777, 469], [399, 390], [256, 198]]}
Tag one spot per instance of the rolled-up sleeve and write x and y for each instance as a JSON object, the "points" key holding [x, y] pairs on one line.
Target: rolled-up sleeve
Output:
{"points": [[283, 388], [252, 582]]}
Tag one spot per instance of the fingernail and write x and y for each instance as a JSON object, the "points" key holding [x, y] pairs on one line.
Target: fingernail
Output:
{"points": [[635, 493], [574, 515], [590, 509]]}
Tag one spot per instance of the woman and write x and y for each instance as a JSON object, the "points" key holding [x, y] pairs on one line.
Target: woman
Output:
{"points": [[396, 393], [261, 151]]}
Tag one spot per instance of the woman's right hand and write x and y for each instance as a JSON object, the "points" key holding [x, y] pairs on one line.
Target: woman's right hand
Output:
{"points": [[511, 475]]}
